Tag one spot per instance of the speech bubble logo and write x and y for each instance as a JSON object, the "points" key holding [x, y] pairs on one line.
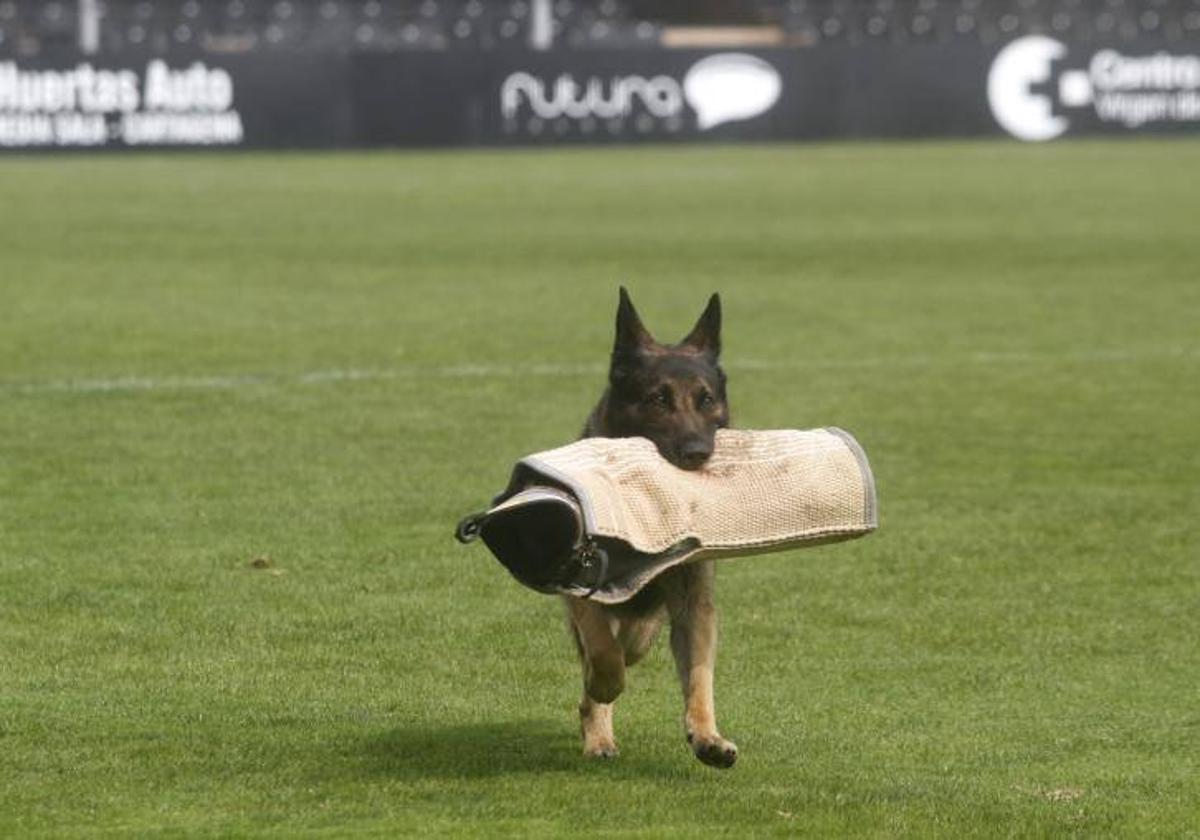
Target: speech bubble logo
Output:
{"points": [[1017, 68], [730, 86]]}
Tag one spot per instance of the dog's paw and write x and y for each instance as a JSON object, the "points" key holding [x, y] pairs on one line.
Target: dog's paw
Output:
{"points": [[600, 750], [714, 750]]}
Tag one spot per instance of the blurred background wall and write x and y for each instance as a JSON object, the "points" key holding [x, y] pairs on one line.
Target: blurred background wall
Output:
{"points": [[350, 73]]}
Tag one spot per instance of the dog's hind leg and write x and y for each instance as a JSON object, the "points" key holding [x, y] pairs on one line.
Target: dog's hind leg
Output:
{"points": [[689, 591], [603, 663]]}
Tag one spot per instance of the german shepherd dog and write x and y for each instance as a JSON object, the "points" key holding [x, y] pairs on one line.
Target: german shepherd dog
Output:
{"points": [[673, 394]]}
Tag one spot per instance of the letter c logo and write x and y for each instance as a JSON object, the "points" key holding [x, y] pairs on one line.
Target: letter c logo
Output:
{"points": [[1020, 65]]}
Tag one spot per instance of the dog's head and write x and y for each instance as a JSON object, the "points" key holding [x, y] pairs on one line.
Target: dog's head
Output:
{"points": [[673, 394]]}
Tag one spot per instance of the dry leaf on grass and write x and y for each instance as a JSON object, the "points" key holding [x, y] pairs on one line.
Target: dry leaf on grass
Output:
{"points": [[1063, 794]]}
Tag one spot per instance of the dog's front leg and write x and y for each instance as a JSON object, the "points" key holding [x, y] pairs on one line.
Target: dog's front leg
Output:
{"points": [[694, 644], [603, 674]]}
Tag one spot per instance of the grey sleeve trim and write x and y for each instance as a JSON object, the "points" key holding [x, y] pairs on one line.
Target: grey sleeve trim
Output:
{"points": [[585, 504], [870, 501]]}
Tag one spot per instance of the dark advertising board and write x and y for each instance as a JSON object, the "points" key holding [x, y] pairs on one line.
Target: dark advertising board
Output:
{"points": [[187, 101], [761, 95], [1040, 88], [1032, 88]]}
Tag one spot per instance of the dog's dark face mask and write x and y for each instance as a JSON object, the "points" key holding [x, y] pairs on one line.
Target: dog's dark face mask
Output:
{"points": [[672, 394]]}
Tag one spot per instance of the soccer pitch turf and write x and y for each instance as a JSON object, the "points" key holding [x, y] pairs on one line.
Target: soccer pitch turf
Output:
{"points": [[327, 359]]}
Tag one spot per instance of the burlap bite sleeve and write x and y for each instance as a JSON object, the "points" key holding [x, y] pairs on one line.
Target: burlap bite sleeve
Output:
{"points": [[602, 517]]}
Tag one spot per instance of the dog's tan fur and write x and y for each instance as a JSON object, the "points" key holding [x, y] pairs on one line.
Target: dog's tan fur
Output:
{"points": [[610, 639]]}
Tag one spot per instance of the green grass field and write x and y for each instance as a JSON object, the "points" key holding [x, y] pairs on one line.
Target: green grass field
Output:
{"points": [[326, 360]]}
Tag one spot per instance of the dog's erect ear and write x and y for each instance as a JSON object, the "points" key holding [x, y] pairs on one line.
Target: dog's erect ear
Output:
{"points": [[706, 335], [631, 335]]}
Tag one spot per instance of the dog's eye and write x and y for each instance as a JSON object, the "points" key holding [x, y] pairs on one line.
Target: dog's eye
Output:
{"points": [[660, 399], [706, 400]]}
